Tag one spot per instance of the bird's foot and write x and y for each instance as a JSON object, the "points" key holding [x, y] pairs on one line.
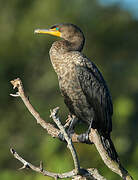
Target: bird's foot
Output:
{"points": [[61, 136], [69, 127], [84, 138], [68, 121]]}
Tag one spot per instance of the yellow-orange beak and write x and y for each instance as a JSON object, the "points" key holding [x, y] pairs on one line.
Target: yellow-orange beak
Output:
{"points": [[53, 32]]}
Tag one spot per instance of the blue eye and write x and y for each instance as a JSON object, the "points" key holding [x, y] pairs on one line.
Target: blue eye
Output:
{"points": [[57, 28]]}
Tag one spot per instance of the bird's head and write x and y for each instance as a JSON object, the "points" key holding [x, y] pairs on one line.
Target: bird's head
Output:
{"points": [[69, 32]]}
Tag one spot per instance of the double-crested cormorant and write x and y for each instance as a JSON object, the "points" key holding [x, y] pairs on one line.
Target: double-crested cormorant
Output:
{"points": [[81, 83]]}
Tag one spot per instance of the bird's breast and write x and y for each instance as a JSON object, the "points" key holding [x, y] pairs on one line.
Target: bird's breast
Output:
{"points": [[64, 66]]}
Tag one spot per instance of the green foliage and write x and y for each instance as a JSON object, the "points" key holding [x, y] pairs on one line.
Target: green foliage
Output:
{"points": [[111, 42]]}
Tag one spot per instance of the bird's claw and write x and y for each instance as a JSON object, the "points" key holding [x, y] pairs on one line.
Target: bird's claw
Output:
{"points": [[61, 136], [84, 138]]}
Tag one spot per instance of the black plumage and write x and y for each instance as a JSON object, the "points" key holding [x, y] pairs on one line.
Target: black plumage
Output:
{"points": [[81, 83]]}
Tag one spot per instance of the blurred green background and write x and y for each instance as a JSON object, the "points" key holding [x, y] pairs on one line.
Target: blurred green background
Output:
{"points": [[111, 43]]}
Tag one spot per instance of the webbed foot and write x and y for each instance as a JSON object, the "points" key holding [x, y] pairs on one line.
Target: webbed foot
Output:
{"points": [[69, 127], [84, 137], [61, 136]]}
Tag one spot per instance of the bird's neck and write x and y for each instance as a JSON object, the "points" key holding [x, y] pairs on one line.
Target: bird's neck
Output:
{"points": [[76, 44], [64, 46], [59, 54]]}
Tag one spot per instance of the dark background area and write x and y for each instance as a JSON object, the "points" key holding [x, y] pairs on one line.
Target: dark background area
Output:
{"points": [[111, 43]]}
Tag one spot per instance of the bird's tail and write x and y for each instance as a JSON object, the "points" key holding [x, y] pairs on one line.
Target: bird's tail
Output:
{"points": [[109, 147]]}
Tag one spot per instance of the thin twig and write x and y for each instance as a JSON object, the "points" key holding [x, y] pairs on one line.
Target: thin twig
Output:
{"points": [[67, 138]]}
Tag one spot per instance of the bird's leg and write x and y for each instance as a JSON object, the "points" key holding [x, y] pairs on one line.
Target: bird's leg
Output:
{"points": [[69, 127], [84, 137], [68, 120]]}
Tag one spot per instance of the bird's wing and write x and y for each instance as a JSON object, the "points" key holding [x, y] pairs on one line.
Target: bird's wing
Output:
{"points": [[95, 89]]}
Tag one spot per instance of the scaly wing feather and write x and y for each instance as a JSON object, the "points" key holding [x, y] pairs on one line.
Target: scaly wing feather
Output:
{"points": [[95, 89]]}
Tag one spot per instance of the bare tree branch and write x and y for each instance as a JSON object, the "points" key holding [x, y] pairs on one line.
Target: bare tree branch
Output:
{"points": [[68, 139], [92, 173], [40, 168], [54, 132], [77, 173], [113, 165], [49, 127]]}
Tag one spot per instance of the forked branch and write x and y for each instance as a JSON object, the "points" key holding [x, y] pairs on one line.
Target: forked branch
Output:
{"points": [[77, 173]]}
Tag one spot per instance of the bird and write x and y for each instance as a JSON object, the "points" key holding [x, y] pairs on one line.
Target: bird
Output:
{"points": [[82, 85]]}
